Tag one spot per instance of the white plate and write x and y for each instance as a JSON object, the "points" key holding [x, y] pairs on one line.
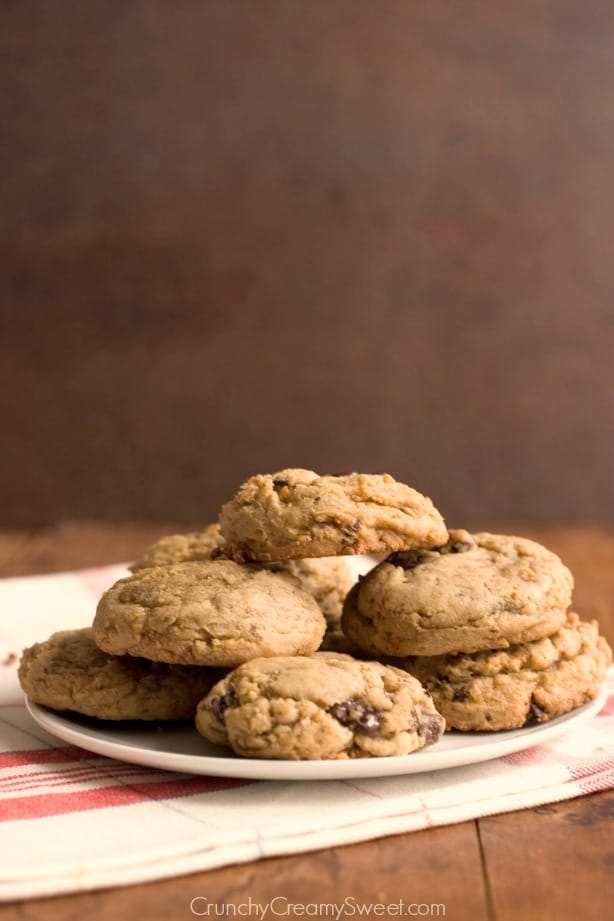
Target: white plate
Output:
{"points": [[181, 748]]}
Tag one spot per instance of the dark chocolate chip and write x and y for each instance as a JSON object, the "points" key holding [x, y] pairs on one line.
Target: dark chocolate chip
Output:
{"points": [[357, 716], [279, 484], [341, 712], [535, 714], [350, 533], [219, 704], [454, 546], [217, 708], [429, 726], [408, 559], [460, 695], [460, 546], [351, 530]]}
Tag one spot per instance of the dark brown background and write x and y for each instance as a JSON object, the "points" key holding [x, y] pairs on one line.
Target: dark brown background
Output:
{"points": [[346, 235]]}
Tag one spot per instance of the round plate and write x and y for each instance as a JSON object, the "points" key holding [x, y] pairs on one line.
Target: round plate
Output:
{"points": [[178, 747]]}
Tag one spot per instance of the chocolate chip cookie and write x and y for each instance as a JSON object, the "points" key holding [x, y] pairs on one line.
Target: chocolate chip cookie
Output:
{"points": [[296, 514], [480, 591], [209, 613], [527, 683], [69, 672], [324, 706]]}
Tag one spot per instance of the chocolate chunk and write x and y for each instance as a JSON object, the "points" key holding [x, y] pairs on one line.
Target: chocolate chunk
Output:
{"points": [[408, 559], [350, 530], [460, 695], [454, 546], [350, 533], [357, 715], [217, 708], [279, 484], [219, 704], [429, 726], [460, 546], [535, 714]]}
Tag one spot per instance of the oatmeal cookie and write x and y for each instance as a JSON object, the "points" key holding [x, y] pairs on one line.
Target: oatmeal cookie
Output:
{"points": [[327, 579], [296, 514], [209, 613], [480, 591], [323, 706], [527, 683], [69, 672]]}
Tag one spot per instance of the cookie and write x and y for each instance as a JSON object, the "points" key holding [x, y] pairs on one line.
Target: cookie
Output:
{"points": [[481, 591], [69, 672], [324, 706], [296, 514], [210, 613], [181, 548], [335, 640], [527, 683], [327, 579]]}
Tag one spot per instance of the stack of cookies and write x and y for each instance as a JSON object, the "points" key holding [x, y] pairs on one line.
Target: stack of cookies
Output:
{"points": [[483, 622], [234, 625]]}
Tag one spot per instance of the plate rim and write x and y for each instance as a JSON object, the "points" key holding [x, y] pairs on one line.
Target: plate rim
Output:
{"points": [[494, 745]]}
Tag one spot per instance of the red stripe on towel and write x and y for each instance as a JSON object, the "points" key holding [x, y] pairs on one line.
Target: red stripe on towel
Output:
{"points": [[32, 807]]}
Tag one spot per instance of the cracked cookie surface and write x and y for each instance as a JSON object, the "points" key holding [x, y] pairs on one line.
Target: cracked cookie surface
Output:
{"points": [[207, 613], [528, 683], [297, 514], [69, 672], [323, 706], [480, 591]]}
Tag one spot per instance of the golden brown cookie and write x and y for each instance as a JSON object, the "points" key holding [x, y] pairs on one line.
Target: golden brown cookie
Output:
{"points": [[182, 548], [296, 514], [480, 591], [318, 707], [209, 613], [69, 672], [527, 683], [327, 579]]}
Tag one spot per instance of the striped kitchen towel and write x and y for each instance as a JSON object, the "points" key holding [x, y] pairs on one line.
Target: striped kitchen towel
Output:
{"points": [[72, 820]]}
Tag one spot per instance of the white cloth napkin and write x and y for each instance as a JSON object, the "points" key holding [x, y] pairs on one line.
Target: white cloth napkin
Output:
{"points": [[74, 821]]}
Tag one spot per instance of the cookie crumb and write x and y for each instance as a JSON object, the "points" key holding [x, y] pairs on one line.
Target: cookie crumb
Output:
{"points": [[11, 659]]}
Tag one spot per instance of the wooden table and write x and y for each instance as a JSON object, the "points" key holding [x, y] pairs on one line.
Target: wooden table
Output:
{"points": [[551, 862]]}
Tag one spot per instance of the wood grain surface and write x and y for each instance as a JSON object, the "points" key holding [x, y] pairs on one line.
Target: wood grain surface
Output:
{"points": [[549, 863]]}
